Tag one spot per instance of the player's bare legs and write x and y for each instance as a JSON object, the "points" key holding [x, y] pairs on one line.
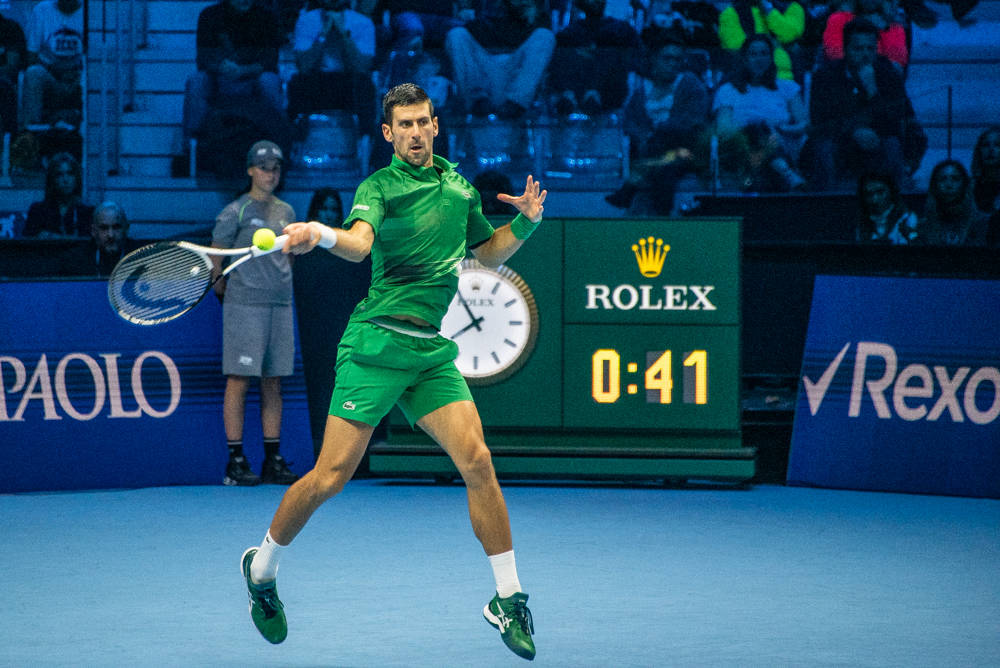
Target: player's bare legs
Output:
{"points": [[457, 428], [344, 443]]}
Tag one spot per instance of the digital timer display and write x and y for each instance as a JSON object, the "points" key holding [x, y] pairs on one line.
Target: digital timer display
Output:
{"points": [[658, 377], [642, 377]]}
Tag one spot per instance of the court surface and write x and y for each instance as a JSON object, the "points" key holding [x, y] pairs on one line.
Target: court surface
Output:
{"points": [[389, 574]]}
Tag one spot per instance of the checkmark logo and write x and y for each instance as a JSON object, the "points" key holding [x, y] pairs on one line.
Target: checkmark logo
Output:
{"points": [[816, 391]]}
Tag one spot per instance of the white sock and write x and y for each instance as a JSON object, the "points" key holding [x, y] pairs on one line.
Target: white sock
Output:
{"points": [[505, 573], [264, 566]]}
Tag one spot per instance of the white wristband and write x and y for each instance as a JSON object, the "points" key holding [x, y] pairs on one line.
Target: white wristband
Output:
{"points": [[327, 235]]}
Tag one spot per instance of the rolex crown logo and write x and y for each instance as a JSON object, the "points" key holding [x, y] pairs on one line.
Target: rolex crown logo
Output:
{"points": [[650, 254]]}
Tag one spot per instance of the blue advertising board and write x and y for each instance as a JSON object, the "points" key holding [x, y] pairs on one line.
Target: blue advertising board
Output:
{"points": [[88, 400], [900, 387]]}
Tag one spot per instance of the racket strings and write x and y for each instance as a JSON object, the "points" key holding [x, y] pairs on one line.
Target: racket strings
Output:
{"points": [[158, 283]]}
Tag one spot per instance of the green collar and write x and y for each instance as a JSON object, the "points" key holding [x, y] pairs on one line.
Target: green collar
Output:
{"points": [[423, 173]]}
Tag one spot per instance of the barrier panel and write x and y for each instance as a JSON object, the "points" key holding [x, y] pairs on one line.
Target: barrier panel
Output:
{"points": [[900, 387], [88, 400]]}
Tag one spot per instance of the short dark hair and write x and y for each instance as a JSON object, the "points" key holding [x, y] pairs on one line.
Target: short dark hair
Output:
{"points": [[403, 95], [859, 26]]}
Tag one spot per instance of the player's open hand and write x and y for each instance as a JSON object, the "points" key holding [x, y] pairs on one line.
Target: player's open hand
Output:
{"points": [[530, 203], [302, 237]]}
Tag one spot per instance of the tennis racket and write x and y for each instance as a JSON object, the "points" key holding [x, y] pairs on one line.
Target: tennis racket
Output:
{"points": [[165, 280]]}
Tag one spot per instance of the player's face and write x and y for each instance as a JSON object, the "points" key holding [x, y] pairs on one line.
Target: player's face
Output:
{"points": [[412, 134], [265, 177]]}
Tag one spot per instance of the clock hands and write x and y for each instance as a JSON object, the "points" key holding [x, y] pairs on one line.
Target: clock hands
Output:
{"points": [[474, 323]]}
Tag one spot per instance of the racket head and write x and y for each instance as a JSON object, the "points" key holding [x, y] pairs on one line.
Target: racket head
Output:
{"points": [[159, 282]]}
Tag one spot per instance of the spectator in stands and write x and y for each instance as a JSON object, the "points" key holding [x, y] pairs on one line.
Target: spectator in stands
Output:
{"points": [[499, 60], [62, 213], [334, 54], [950, 215], [986, 180], [326, 207], [768, 113], [892, 41], [694, 21], [13, 50], [490, 183], [884, 216], [665, 116], [592, 60], [410, 61], [53, 93], [861, 117], [435, 17], [986, 170], [784, 21], [236, 93], [108, 243]]}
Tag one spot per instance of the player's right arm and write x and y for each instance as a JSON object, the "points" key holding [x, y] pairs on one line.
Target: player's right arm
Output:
{"points": [[353, 243]]}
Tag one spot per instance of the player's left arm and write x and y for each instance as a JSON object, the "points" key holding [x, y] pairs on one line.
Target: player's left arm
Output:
{"points": [[507, 239]]}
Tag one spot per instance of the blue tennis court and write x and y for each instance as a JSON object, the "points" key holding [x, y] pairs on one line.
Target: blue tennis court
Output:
{"points": [[389, 574]]}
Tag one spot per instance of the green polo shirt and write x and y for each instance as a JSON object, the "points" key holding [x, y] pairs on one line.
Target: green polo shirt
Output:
{"points": [[425, 218]]}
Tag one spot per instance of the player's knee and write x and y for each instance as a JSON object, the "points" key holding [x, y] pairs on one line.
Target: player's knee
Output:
{"points": [[477, 466], [330, 482]]}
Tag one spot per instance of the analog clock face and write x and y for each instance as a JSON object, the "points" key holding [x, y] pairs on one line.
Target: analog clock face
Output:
{"points": [[494, 321]]}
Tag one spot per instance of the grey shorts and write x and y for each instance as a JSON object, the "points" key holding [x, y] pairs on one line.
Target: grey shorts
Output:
{"points": [[257, 340]]}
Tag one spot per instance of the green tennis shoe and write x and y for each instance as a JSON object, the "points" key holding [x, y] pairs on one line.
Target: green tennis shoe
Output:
{"points": [[266, 610], [511, 616]]}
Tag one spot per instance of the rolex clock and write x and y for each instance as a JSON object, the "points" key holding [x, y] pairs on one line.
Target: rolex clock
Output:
{"points": [[493, 319]]}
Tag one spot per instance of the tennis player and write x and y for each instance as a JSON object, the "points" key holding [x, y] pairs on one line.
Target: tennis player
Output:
{"points": [[416, 217]]}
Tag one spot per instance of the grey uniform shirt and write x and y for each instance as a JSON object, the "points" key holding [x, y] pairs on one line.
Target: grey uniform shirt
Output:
{"points": [[263, 280]]}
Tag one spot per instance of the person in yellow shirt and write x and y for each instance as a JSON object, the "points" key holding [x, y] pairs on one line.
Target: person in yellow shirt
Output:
{"points": [[783, 21]]}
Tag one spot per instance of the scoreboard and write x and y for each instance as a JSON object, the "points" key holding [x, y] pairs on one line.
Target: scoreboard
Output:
{"points": [[634, 368]]}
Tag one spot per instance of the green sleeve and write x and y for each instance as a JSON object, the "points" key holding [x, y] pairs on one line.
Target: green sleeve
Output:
{"points": [[369, 205], [789, 26], [731, 34], [479, 229]]}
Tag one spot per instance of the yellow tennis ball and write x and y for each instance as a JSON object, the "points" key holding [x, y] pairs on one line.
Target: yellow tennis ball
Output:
{"points": [[263, 239]]}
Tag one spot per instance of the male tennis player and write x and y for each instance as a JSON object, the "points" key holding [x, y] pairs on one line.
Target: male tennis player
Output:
{"points": [[416, 217]]}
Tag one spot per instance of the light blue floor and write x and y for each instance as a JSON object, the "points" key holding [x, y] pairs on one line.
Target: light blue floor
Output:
{"points": [[389, 574]]}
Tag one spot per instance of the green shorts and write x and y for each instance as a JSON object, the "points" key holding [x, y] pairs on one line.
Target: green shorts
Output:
{"points": [[379, 367]]}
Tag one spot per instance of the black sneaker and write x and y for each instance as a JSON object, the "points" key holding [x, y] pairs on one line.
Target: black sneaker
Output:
{"points": [[238, 473], [276, 472]]}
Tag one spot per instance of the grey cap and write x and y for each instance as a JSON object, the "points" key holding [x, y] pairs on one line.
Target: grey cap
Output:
{"points": [[262, 151]]}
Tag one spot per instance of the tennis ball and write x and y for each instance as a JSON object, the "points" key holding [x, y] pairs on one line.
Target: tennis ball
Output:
{"points": [[263, 239]]}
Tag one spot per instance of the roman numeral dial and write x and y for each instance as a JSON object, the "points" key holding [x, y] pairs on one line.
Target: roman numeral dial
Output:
{"points": [[493, 319]]}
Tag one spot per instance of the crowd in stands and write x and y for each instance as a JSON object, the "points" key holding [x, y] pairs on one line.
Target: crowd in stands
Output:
{"points": [[748, 95]]}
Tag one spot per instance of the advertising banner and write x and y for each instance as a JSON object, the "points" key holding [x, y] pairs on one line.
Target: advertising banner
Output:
{"points": [[88, 400], [900, 387]]}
